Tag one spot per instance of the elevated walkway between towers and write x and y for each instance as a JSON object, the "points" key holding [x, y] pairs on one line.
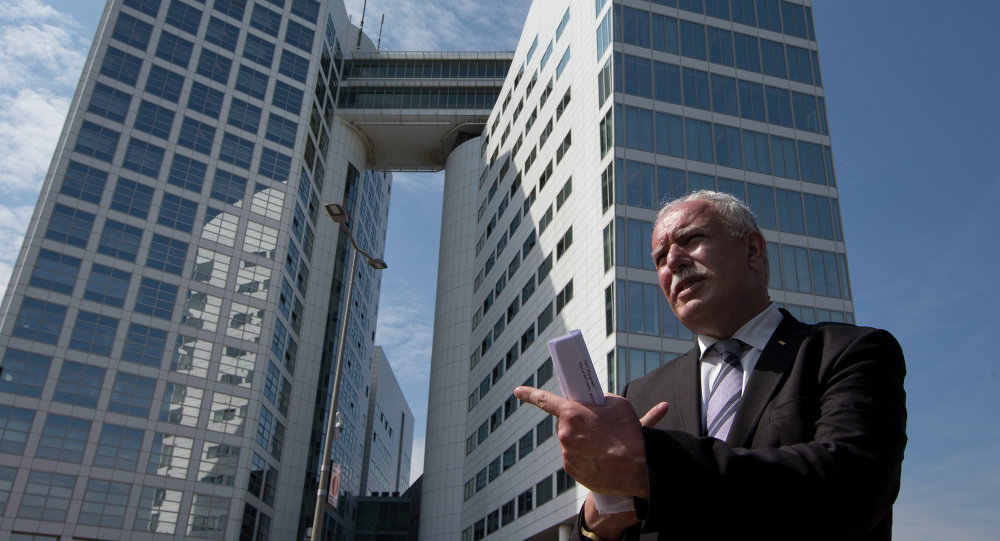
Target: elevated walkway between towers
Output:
{"points": [[413, 108]]}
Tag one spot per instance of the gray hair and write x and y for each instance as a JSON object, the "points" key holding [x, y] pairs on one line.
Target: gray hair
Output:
{"points": [[736, 216]]}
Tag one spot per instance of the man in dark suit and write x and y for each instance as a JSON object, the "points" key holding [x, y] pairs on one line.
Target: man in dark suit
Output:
{"points": [[775, 429]]}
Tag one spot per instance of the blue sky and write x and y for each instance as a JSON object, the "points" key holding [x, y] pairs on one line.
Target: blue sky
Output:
{"points": [[910, 90]]}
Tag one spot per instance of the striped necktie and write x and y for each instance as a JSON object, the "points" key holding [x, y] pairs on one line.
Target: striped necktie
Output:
{"points": [[727, 389]]}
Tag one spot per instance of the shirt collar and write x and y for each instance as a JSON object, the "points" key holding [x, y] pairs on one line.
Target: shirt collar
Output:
{"points": [[755, 333]]}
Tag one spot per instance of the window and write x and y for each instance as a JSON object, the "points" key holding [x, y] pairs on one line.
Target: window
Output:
{"points": [[563, 481], [274, 164], [39, 321], [524, 503], [222, 34], [567, 240], [265, 20], [93, 333], [299, 36], [545, 317], [132, 395], [205, 100], [543, 490], [244, 115], [170, 455], [214, 66], [46, 496], [63, 438], [119, 240], [154, 120], [144, 345], [236, 150], [184, 16], [55, 272], [507, 513], [258, 50], [97, 141], [544, 430], [24, 373], [79, 384], [252, 82], [164, 83], [270, 433], [281, 130], [228, 187], [196, 135], [727, 146], [121, 66], [118, 447], [149, 7], [177, 212], [174, 49], [287, 97], [109, 102], [158, 510], [84, 182], [156, 298], [143, 157], [294, 66], [564, 296], [15, 424], [132, 198], [773, 58], [747, 52], [104, 503], [167, 254], [526, 444], [545, 371]]}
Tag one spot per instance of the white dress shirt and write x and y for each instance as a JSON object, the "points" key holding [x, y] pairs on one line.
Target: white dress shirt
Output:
{"points": [[754, 333]]}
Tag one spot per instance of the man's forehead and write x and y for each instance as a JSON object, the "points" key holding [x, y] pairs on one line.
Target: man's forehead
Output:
{"points": [[687, 214]]}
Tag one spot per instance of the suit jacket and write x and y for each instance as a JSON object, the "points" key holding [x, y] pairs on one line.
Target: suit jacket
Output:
{"points": [[814, 451]]}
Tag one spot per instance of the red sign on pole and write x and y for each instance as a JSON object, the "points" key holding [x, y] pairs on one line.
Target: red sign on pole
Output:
{"points": [[333, 494]]}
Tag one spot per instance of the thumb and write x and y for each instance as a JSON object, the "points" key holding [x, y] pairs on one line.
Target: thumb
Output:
{"points": [[654, 415]]}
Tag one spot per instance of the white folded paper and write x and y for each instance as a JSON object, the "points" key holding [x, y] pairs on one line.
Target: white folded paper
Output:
{"points": [[578, 379]]}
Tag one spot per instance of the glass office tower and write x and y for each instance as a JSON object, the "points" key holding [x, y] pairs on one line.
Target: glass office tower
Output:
{"points": [[168, 334], [610, 108]]}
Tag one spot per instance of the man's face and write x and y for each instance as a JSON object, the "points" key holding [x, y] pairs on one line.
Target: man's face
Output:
{"points": [[709, 277]]}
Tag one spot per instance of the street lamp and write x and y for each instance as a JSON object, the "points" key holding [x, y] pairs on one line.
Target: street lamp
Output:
{"points": [[338, 215]]}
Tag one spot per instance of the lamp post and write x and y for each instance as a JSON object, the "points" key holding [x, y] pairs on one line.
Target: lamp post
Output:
{"points": [[338, 215]]}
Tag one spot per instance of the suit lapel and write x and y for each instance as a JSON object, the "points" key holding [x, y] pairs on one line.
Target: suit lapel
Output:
{"points": [[687, 389], [770, 370]]}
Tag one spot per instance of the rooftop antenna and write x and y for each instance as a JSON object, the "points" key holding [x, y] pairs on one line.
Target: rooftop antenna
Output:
{"points": [[378, 46], [361, 27]]}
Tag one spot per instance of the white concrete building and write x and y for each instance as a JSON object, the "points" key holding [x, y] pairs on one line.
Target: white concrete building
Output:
{"points": [[609, 109]]}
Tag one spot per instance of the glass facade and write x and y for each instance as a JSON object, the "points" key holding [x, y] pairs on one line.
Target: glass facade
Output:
{"points": [[190, 183]]}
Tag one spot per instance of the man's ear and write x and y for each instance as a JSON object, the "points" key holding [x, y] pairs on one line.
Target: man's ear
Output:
{"points": [[756, 249]]}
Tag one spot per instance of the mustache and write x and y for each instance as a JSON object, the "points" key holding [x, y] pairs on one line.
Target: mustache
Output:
{"points": [[685, 274]]}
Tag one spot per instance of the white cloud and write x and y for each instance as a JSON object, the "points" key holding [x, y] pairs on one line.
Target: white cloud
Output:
{"points": [[449, 25], [41, 54], [30, 122], [406, 331], [418, 182]]}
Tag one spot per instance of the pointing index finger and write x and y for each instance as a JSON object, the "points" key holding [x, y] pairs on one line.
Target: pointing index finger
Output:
{"points": [[544, 400]]}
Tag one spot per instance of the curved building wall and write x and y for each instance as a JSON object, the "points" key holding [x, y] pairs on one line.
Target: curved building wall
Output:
{"points": [[441, 510]]}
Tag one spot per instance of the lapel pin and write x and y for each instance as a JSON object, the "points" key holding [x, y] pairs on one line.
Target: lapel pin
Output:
{"points": [[782, 342]]}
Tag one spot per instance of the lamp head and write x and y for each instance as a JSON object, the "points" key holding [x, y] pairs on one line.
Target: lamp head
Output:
{"points": [[336, 212]]}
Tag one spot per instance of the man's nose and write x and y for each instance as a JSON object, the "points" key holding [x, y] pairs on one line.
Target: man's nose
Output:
{"points": [[677, 259]]}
